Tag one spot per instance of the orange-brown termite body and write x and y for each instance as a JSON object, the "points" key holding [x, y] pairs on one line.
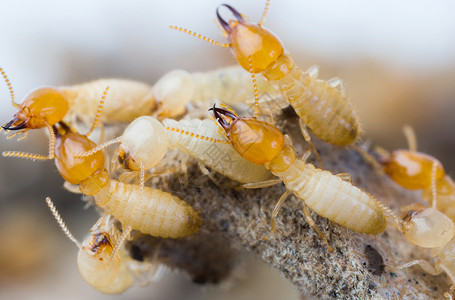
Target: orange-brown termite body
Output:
{"points": [[328, 195], [148, 210], [320, 105]]}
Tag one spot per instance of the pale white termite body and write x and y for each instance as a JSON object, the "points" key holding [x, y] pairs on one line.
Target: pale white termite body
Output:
{"points": [[146, 140], [177, 88], [333, 198], [429, 228], [151, 211], [128, 100]]}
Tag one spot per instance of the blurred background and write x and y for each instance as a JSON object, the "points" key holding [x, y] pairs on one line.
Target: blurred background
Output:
{"points": [[397, 60]]}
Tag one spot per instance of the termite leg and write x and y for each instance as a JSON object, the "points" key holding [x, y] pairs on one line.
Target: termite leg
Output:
{"points": [[425, 265], [338, 84], [311, 222], [261, 184], [410, 135], [209, 174], [306, 155], [277, 208], [345, 177], [307, 138], [313, 71], [369, 159]]}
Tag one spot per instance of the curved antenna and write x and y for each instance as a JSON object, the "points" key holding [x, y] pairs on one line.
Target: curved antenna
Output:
{"points": [[97, 148], [98, 113], [60, 222], [197, 136], [264, 14], [256, 90], [200, 36], [9, 87], [36, 156]]}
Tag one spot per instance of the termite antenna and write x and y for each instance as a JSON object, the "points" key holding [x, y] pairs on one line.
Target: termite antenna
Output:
{"points": [[264, 14], [123, 237], [60, 222], [200, 36], [410, 135], [256, 91], [98, 148], [10, 87], [36, 156], [98, 113], [199, 136]]}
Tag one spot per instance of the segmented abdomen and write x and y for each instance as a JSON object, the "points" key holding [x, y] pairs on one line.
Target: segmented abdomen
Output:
{"points": [[231, 84], [322, 108], [125, 101], [221, 157], [331, 197], [159, 214]]}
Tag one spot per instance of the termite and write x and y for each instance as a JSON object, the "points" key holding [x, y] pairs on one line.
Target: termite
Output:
{"points": [[148, 210], [321, 105], [100, 261], [419, 171], [328, 195], [146, 140], [45, 107], [129, 100], [429, 228], [177, 88]]}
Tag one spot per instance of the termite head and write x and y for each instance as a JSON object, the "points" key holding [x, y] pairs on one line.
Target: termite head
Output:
{"points": [[428, 228], [411, 169], [256, 141], [40, 106], [95, 262], [254, 47], [144, 141], [74, 169]]}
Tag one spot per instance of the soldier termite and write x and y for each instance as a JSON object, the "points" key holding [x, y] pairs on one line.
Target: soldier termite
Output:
{"points": [[322, 106], [45, 107], [107, 270], [419, 171], [145, 142], [148, 210], [328, 195]]}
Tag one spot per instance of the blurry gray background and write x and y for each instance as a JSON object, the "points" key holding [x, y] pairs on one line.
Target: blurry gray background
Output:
{"points": [[397, 60]]}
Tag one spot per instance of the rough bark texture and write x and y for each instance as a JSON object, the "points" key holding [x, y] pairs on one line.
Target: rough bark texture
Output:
{"points": [[235, 221]]}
